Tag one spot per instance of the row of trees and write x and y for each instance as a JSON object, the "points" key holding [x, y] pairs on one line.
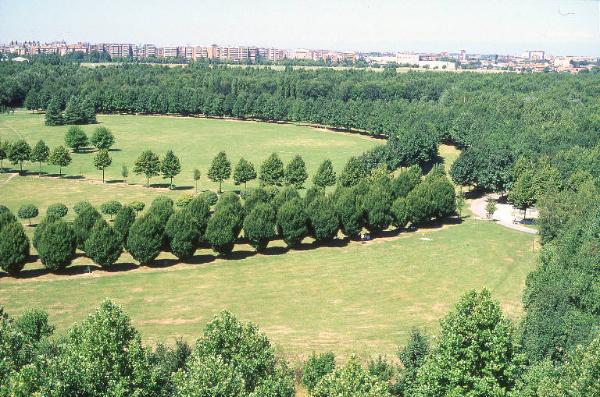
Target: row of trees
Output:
{"points": [[373, 204], [77, 111], [476, 354]]}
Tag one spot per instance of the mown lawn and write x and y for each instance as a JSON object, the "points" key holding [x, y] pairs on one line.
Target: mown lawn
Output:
{"points": [[358, 298]]}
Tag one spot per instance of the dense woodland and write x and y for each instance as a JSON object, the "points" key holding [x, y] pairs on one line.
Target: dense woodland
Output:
{"points": [[535, 138]]}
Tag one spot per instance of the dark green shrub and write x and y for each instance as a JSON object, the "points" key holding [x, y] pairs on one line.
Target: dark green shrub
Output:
{"points": [[400, 213], [123, 221], [75, 138], [57, 210], [286, 194], [199, 209], [6, 218], [83, 224], [210, 197], [39, 229], [292, 222], [254, 197], [406, 181], [349, 212], [162, 208], [102, 138], [14, 248], [56, 246], [377, 205], [232, 203], [313, 193], [442, 197], [137, 206], [271, 171], [182, 232], [104, 245], [323, 221], [33, 323], [111, 208], [221, 230], [28, 211], [315, 368], [80, 206], [259, 226], [295, 172], [418, 206], [145, 239]]}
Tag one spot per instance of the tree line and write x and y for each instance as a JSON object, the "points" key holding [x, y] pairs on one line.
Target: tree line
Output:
{"points": [[369, 204]]}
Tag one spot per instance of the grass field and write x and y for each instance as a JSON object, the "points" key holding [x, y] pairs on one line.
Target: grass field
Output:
{"points": [[359, 298]]}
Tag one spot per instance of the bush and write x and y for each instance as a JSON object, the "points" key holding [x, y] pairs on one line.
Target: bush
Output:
{"points": [[232, 203], [406, 181], [83, 224], [145, 239], [182, 232], [14, 248], [111, 208], [210, 197], [400, 213], [33, 323], [221, 230], [123, 221], [137, 206], [349, 212], [377, 205], [80, 206], [39, 229], [199, 209], [284, 195], [162, 208], [323, 221], [57, 210], [28, 211], [259, 226], [254, 197], [292, 222], [183, 200], [56, 246], [104, 245], [315, 368], [6, 217]]}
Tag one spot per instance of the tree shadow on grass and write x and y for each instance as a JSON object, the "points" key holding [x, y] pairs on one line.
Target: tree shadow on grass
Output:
{"points": [[115, 150], [185, 187], [274, 251], [110, 181], [239, 255], [72, 177]]}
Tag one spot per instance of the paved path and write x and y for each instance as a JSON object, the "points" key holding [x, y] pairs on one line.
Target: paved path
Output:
{"points": [[503, 215]]}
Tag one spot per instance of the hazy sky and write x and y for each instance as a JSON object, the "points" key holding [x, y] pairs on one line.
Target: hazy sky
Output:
{"points": [[490, 26]]}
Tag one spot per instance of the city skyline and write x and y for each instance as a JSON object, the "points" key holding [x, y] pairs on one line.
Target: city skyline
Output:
{"points": [[558, 27]]}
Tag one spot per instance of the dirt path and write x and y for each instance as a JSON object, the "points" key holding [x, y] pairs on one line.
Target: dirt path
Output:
{"points": [[12, 175], [503, 215]]}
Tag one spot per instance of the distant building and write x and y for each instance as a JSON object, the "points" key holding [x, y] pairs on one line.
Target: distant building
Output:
{"points": [[403, 58], [537, 55]]}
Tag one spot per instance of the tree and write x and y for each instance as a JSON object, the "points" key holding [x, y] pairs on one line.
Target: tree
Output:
{"points": [[325, 175], [196, 174], [170, 167], [123, 221], [292, 222], [400, 213], [460, 203], [40, 154], [79, 111], [351, 380], [182, 231], [477, 339], [295, 172], [57, 210], [522, 193], [53, 112], [83, 224], [14, 248], [412, 357], [352, 172], [81, 206], [220, 169], [162, 208], [111, 208], [75, 138], [579, 376], [377, 204], [147, 164], [199, 208], [348, 207], [19, 152], [4, 151], [102, 138], [243, 172], [208, 376], [221, 230], [490, 207], [405, 181], [145, 239], [104, 245], [56, 246], [271, 171], [28, 211], [60, 157], [102, 160], [124, 172], [315, 368], [259, 226], [323, 221]]}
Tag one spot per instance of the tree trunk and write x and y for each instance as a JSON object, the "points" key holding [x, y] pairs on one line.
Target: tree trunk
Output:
{"points": [[21, 164], [103, 176], [196, 187], [171, 184], [147, 182], [40, 172], [219, 186], [60, 170]]}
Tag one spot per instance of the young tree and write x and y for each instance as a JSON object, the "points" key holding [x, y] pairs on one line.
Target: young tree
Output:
{"points": [[490, 207], [60, 157], [14, 248], [259, 226], [102, 138], [145, 239], [102, 160], [147, 164], [28, 211], [460, 204], [123, 221], [292, 222], [196, 174], [271, 171], [19, 152], [412, 357], [325, 175], [53, 112], [523, 192], [170, 167], [57, 210], [243, 172], [4, 150], [111, 208], [316, 368], [56, 245], [40, 154], [124, 172], [323, 221], [104, 245], [352, 173], [75, 138], [295, 172], [220, 169], [476, 338]]}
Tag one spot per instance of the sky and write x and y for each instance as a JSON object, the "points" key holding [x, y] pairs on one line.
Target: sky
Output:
{"points": [[561, 27]]}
